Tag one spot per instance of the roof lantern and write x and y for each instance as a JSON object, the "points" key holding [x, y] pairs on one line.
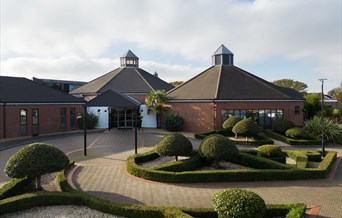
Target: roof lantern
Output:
{"points": [[223, 56], [129, 59]]}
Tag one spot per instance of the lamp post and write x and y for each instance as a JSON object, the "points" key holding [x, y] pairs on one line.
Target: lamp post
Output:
{"points": [[322, 118]]}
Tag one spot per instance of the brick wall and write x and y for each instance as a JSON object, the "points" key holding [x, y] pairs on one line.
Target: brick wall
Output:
{"points": [[49, 119], [198, 117]]}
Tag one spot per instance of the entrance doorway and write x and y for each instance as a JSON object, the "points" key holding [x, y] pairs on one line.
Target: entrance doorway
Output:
{"points": [[121, 118]]}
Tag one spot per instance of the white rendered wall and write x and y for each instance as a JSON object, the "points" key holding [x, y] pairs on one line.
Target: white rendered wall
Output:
{"points": [[149, 120], [102, 113]]}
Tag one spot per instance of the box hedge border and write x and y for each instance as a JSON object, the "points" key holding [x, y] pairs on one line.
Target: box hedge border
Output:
{"points": [[290, 141], [70, 196], [261, 140], [279, 171]]}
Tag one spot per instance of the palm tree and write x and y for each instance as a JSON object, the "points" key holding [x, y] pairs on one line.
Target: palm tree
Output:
{"points": [[155, 100]]}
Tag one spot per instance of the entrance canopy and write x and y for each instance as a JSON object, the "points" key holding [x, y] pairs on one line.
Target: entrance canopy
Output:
{"points": [[113, 99]]}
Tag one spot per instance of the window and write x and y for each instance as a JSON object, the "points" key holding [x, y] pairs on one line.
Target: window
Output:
{"points": [[63, 118], [23, 120], [35, 117], [297, 110], [72, 117]]}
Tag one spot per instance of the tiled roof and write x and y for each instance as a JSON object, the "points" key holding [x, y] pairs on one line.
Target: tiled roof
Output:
{"points": [[230, 83], [112, 98], [124, 80], [22, 90]]}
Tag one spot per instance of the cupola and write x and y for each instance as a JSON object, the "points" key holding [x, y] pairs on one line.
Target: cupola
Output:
{"points": [[223, 56], [129, 59]]}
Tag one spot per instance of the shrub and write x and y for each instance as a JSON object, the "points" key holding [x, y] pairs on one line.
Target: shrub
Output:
{"points": [[270, 151], [92, 120], [332, 131], [231, 122], [217, 147], [246, 127], [277, 136], [296, 133], [173, 122], [281, 125], [35, 160], [236, 202], [174, 145]]}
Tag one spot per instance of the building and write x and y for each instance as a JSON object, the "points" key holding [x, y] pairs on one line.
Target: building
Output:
{"points": [[224, 90], [63, 85], [28, 108], [129, 80]]}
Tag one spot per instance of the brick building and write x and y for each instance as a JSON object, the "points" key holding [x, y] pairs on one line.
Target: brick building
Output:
{"points": [[224, 90], [28, 108]]}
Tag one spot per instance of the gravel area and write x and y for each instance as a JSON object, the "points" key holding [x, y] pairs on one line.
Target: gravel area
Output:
{"points": [[224, 165], [161, 160], [63, 211]]}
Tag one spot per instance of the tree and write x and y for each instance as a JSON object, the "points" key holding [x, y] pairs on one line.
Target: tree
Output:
{"points": [[155, 100], [246, 127], [337, 94], [231, 122], [35, 160], [312, 104], [290, 83], [174, 145], [176, 83]]}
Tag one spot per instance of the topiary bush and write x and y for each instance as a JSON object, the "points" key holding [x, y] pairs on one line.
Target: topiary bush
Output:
{"points": [[231, 122], [236, 202], [173, 122], [281, 125], [217, 147], [296, 133], [246, 127], [35, 160], [270, 151], [174, 145]]}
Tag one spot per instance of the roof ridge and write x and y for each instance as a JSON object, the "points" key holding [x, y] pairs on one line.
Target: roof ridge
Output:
{"points": [[120, 70], [135, 69], [186, 82], [258, 80], [218, 82]]}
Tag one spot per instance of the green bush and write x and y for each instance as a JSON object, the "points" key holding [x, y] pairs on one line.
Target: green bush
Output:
{"points": [[296, 133], [246, 127], [237, 202], [332, 131], [217, 147], [223, 132], [174, 145], [270, 151], [35, 160], [14, 187], [230, 122], [282, 125], [173, 122], [92, 120], [277, 136]]}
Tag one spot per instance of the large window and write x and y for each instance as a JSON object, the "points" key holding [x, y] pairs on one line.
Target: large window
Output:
{"points": [[23, 120], [63, 118], [264, 118]]}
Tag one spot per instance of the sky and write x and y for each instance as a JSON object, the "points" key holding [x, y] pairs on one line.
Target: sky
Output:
{"points": [[84, 39]]}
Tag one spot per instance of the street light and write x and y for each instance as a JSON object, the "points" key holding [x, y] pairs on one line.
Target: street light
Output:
{"points": [[322, 118]]}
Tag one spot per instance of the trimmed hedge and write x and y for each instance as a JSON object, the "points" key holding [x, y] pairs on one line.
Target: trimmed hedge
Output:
{"points": [[303, 156], [194, 162], [278, 171], [74, 197], [259, 139], [290, 141], [14, 187]]}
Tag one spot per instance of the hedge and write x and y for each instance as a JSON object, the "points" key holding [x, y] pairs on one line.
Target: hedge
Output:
{"points": [[260, 139], [14, 187], [194, 162], [281, 159], [30, 200], [290, 141], [279, 171], [303, 156]]}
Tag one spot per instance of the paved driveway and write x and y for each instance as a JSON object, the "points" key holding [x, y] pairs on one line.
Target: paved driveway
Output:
{"points": [[102, 173]]}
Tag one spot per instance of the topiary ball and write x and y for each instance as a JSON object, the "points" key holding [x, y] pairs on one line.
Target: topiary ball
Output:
{"points": [[269, 151], [230, 122], [35, 160], [174, 145], [217, 147], [246, 127], [281, 125], [296, 133], [236, 202]]}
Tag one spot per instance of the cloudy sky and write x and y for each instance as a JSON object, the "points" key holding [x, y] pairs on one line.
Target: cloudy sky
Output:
{"points": [[83, 39]]}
